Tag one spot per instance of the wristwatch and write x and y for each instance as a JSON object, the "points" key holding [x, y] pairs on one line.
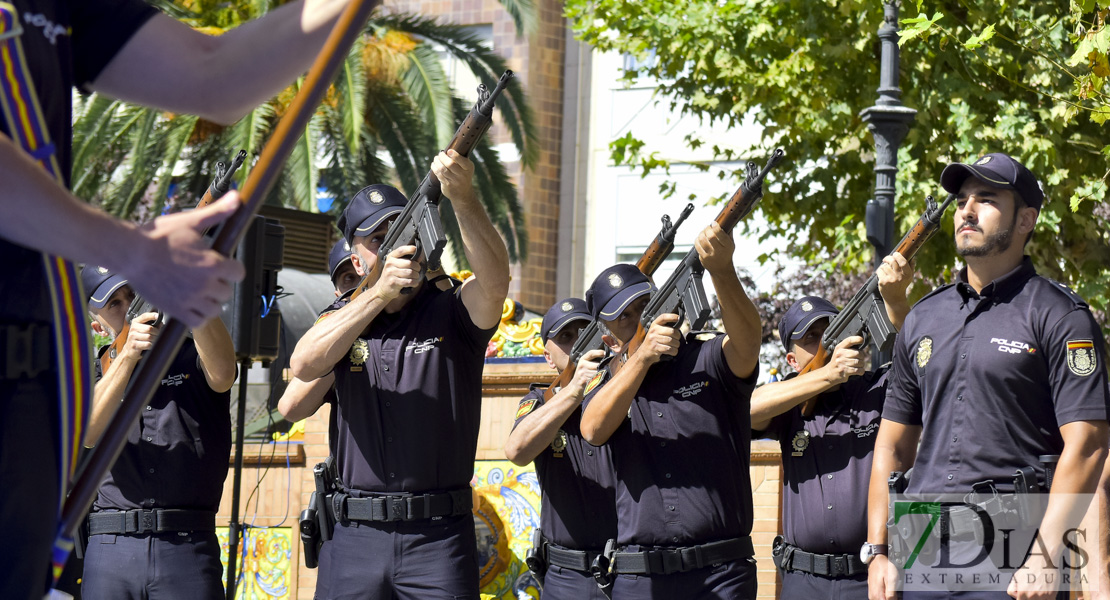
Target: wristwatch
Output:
{"points": [[870, 551]]}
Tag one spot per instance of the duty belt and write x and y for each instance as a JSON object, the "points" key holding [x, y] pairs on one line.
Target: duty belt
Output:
{"points": [[25, 350], [158, 520], [402, 507], [789, 557], [664, 561], [575, 560]]}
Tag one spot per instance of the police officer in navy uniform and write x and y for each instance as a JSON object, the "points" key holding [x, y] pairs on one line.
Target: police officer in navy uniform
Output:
{"points": [[826, 456], [408, 375], [576, 511], [124, 49], [679, 432], [152, 531], [990, 373]]}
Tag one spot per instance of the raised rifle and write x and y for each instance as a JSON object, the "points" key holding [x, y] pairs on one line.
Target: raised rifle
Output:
{"points": [[865, 313], [221, 183], [590, 336], [683, 292], [419, 221]]}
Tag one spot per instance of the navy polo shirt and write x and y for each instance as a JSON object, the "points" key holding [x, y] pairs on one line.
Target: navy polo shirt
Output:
{"points": [[826, 463], [682, 456], [67, 43], [577, 483], [176, 456], [991, 377], [409, 397]]}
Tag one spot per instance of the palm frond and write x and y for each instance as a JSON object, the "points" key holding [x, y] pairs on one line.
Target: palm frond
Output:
{"points": [[523, 13], [176, 136], [248, 134], [396, 123], [350, 91], [426, 84], [301, 171]]}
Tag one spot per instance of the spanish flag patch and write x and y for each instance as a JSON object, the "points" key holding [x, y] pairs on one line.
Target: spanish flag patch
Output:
{"points": [[594, 382], [525, 407]]}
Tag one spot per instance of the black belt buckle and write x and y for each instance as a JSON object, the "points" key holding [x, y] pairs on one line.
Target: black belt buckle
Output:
{"points": [[145, 521], [838, 565]]}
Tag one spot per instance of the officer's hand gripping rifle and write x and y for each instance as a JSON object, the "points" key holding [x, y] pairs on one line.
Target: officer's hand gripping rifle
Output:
{"points": [[683, 292], [590, 336], [865, 314], [221, 183], [419, 221]]}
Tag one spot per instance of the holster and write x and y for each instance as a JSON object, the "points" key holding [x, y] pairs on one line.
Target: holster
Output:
{"points": [[600, 569], [81, 539], [536, 558], [310, 534], [317, 522]]}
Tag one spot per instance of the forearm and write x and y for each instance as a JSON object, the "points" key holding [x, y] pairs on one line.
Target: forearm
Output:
{"points": [[170, 66], [484, 249], [741, 322], [536, 431], [39, 213], [303, 398], [217, 354], [773, 399], [609, 407], [326, 342], [895, 450], [1078, 472], [896, 311], [107, 396]]}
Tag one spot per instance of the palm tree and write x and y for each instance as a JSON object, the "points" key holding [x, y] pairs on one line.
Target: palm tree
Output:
{"points": [[386, 116]]}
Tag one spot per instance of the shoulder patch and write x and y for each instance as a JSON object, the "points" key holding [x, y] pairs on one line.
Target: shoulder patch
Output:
{"points": [[526, 406], [323, 316], [594, 382], [1082, 359]]}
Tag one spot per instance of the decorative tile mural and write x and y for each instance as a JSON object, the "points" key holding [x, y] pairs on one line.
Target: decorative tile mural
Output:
{"points": [[506, 511], [265, 562]]}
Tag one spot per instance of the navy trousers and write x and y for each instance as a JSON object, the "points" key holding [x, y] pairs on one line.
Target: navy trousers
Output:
{"points": [[417, 560], [162, 566], [807, 586], [560, 584], [29, 471], [733, 580]]}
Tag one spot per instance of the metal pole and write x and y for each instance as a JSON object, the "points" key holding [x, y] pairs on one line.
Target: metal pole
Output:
{"points": [[888, 120], [233, 530]]}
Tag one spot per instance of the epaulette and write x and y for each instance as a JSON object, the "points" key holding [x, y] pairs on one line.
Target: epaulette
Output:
{"points": [[932, 293], [538, 386], [703, 335], [1067, 291]]}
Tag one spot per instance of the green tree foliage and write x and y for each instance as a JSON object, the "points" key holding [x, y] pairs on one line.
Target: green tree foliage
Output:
{"points": [[385, 117], [1026, 78]]}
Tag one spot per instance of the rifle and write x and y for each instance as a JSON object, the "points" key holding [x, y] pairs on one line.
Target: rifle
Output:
{"points": [[419, 221], [865, 313], [590, 336], [221, 183], [149, 374], [683, 292]]}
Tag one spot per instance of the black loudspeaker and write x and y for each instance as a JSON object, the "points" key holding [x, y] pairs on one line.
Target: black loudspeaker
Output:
{"points": [[252, 316]]}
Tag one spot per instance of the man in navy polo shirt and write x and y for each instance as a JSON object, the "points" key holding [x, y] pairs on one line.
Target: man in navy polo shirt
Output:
{"points": [[826, 456], [152, 531], [576, 510], [992, 372], [679, 433], [408, 377]]}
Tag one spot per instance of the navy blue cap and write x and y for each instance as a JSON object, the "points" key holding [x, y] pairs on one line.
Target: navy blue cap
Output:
{"points": [[998, 170], [801, 316], [100, 284], [563, 312], [370, 207], [340, 253], [614, 289]]}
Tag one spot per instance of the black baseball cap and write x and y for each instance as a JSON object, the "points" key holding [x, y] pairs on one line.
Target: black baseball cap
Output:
{"points": [[999, 170], [614, 289], [370, 207], [340, 253], [560, 314], [100, 284], [801, 316]]}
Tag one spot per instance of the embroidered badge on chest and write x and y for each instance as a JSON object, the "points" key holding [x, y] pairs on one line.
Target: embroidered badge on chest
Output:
{"points": [[1081, 357], [559, 444], [800, 443], [924, 351], [360, 350]]}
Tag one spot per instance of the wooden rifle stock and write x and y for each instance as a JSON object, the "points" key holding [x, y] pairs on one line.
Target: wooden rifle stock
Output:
{"points": [[404, 230], [741, 203], [153, 368], [660, 248], [911, 243], [220, 184]]}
